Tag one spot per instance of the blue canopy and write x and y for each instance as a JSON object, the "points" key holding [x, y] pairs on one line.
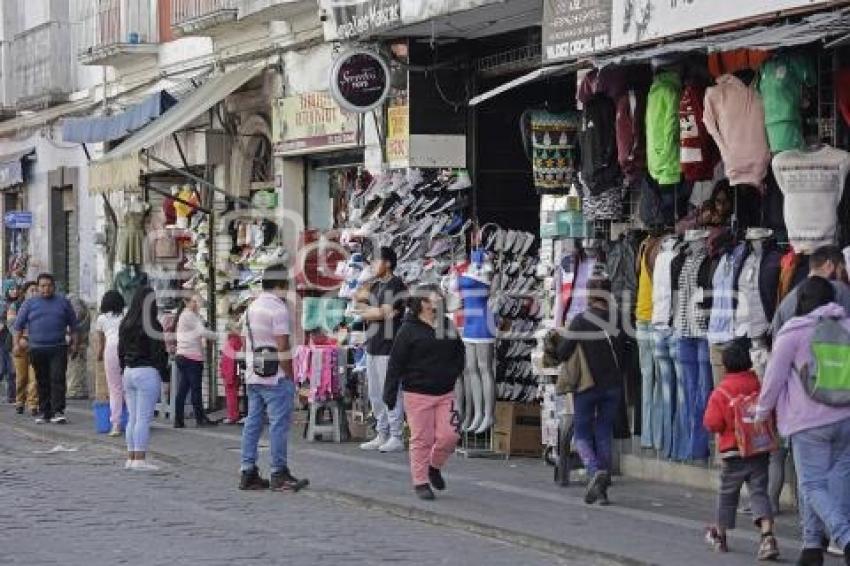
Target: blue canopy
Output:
{"points": [[109, 128]]}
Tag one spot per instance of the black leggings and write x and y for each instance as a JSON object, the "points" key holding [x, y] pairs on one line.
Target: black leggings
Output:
{"points": [[191, 374]]}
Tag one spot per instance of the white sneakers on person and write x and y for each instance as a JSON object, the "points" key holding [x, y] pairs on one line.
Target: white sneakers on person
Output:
{"points": [[394, 444], [128, 465], [143, 466], [375, 443]]}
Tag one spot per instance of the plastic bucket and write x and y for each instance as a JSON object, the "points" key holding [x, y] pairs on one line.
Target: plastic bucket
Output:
{"points": [[101, 417]]}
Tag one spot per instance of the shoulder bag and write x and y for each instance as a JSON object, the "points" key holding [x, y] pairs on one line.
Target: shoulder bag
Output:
{"points": [[266, 362]]}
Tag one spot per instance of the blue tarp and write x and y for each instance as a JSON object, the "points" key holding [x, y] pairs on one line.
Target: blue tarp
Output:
{"points": [[109, 128]]}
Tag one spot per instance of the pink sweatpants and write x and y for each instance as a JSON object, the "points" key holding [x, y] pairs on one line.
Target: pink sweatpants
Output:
{"points": [[433, 437], [115, 382]]}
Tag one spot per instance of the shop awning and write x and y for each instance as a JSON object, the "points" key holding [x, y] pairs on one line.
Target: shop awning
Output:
{"points": [[817, 27], [96, 129], [12, 167], [120, 168], [533, 76]]}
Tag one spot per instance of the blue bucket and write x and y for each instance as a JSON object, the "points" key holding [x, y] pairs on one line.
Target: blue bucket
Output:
{"points": [[101, 417]]}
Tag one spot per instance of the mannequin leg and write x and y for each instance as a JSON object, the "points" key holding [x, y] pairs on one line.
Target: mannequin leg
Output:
{"points": [[460, 396], [475, 388], [485, 353]]}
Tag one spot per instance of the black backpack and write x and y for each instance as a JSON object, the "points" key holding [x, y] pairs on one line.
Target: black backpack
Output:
{"points": [[600, 169]]}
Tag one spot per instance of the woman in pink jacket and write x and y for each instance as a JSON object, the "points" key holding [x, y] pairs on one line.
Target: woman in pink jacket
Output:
{"points": [[820, 434]]}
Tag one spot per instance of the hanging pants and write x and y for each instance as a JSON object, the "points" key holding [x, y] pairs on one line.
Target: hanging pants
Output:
{"points": [[698, 383], [651, 395], [665, 344]]}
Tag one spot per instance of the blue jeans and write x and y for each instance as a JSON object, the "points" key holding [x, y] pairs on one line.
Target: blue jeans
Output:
{"points": [[7, 373], [142, 388], [698, 383], [650, 428], [822, 461], [664, 343], [276, 401], [595, 412]]}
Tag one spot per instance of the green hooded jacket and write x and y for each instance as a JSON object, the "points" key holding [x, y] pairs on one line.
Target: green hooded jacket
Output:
{"points": [[662, 128]]}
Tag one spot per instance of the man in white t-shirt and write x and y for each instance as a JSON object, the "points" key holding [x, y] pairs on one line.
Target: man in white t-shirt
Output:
{"points": [[268, 325]]}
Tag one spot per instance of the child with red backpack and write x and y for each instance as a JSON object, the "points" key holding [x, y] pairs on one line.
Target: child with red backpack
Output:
{"points": [[744, 447]]}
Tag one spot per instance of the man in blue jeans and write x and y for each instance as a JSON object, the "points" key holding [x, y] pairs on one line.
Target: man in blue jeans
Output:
{"points": [[48, 320], [268, 327]]}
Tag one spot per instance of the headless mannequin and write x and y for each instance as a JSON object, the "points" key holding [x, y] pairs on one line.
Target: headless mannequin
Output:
{"points": [[479, 383]]}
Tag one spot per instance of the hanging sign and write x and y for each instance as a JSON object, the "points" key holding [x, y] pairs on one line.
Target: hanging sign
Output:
{"points": [[398, 137], [356, 18], [18, 220], [311, 121], [572, 28], [360, 80]]}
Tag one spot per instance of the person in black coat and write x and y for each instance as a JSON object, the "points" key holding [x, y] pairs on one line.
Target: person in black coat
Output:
{"points": [[426, 359]]}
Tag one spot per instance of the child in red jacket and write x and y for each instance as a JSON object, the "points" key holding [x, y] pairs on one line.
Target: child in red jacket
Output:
{"points": [[230, 373], [736, 470]]}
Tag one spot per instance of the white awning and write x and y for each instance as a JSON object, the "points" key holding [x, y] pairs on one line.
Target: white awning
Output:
{"points": [[817, 27], [120, 168], [533, 76]]}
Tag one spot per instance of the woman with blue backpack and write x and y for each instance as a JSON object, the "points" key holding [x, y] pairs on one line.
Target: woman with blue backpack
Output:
{"points": [[808, 383]]}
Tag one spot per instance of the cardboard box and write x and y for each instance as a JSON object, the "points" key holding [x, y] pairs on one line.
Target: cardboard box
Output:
{"points": [[516, 431]]}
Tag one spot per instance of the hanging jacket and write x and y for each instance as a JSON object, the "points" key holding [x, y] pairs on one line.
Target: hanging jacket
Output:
{"points": [[662, 128], [662, 284], [721, 321], [781, 82], [643, 309], [600, 170], [757, 290], [734, 116], [620, 260], [698, 153]]}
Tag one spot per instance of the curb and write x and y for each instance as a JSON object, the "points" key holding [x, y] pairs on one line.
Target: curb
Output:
{"points": [[432, 518]]}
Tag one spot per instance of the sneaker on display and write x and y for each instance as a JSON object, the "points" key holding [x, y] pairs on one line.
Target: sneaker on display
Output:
{"points": [[375, 443], [394, 444]]}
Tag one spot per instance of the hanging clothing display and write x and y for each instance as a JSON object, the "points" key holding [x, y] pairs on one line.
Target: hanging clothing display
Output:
{"points": [[781, 81], [728, 62], [690, 318], [479, 321], [699, 155], [607, 205], [662, 128], [812, 182], [553, 146], [600, 168], [721, 321], [662, 284], [734, 116], [757, 285], [319, 367]]}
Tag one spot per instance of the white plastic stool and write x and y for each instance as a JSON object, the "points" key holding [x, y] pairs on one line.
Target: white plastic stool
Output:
{"points": [[333, 430]]}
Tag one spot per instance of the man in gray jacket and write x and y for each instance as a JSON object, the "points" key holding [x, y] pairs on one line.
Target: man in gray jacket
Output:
{"points": [[827, 262]]}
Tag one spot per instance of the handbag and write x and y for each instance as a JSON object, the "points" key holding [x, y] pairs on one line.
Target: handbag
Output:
{"points": [[575, 376], [265, 359]]}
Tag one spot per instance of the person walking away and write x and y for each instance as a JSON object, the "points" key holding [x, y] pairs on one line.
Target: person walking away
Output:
{"points": [[384, 315], [736, 470], [270, 383], [820, 433], [425, 362], [26, 387], [190, 334], [77, 386], [596, 408], [106, 334], [48, 320], [229, 370], [7, 367], [144, 363]]}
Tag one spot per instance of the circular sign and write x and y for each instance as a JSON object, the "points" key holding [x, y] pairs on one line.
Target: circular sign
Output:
{"points": [[360, 81]]}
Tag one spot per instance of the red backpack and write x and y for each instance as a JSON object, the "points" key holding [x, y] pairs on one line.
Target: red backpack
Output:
{"points": [[752, 438]]}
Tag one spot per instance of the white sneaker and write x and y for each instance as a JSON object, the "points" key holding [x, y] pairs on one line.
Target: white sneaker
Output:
{"points": [[394, 444], [128, 465], [375, 444], [143, 466]]}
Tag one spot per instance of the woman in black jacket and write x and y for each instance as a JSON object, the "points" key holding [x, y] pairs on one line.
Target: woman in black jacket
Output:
{"points": [[426, 360], [144, 362], [596, 408]]}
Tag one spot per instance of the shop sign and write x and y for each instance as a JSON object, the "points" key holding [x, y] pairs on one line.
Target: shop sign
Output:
{"points": [[573, 28], [398, 137], [18, 220], [355, 18], [360, 80], [311, 121]]}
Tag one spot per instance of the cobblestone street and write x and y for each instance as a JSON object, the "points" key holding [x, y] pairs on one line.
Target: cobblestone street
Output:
{"points": [[75, 508]]}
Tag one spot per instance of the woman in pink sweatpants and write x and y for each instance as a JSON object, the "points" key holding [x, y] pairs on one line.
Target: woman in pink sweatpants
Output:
{"points": [[106, 331], [426, 360]]}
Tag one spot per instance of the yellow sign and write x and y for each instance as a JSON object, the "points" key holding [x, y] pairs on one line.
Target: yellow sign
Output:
{"points": [[398, 137], [311, 122]]}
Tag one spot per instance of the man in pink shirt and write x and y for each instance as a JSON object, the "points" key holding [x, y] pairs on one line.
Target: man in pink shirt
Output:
{"points": [[270, 385]]}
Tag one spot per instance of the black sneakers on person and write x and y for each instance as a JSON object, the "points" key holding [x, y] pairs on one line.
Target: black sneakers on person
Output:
{"points": [[251, 480], [424, 492], [436, 478], [595, 487], [811, 557], [284, 481], [19, 410]]}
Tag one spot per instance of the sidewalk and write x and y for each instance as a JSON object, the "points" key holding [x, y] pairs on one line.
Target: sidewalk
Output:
{"points": [[515, 500]]}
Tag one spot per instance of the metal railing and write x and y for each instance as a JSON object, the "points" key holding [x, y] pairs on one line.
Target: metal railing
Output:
{"points": [[111, 22], [43, 68], [187, 10]]}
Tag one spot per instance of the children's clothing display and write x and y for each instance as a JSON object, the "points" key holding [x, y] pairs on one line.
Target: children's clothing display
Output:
{"points": [[319, 368], [812, 181]]}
